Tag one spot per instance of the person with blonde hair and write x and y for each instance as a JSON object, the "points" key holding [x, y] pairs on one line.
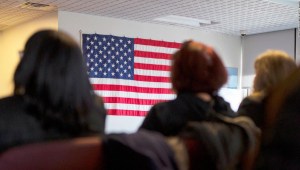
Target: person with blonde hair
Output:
{"points": [[280, 142], [271, 67]]}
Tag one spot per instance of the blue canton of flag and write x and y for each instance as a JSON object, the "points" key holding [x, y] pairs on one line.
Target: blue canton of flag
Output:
{"points": [[109, 56]]}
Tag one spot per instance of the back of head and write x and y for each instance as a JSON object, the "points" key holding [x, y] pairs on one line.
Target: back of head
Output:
{"points": [[271, 67], [197, 68], [52, 77]]}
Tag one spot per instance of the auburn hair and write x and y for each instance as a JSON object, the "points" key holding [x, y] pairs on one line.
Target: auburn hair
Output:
{"points": [[197, 68]]}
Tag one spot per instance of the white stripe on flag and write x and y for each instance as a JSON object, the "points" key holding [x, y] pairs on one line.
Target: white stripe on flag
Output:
{"points": [[152, 61], [130, 83], [156, 49], [121, 106], [151, 73], [135, 95]]}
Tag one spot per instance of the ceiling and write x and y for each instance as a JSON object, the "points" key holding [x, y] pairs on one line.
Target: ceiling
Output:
{"points": [[230, 16]]}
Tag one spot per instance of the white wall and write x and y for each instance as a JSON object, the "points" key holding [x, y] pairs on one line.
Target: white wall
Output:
{"points": [[228, 47], [297, 46], [253, 45], [234, 96], [12, 40]]}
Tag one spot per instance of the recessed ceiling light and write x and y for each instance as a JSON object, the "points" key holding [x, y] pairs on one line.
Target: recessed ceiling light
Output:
{"points": [[37, 6], [184, 20], [286, 2]]}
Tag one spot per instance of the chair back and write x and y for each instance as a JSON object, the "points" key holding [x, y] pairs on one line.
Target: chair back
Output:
{"points": [[225, 143], [71, 154]]}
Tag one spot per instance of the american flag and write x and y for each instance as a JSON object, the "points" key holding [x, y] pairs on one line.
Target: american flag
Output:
{"points": [[131, 74]]}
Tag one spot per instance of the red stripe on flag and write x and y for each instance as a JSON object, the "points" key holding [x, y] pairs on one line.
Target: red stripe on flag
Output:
{"points": [[132, 89], [152, 55], [151, 78], [156, 43], [151, 67], [126, 112], [131, 100]]}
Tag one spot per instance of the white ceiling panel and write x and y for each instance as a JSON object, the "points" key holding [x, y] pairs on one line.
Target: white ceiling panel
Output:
{"points": [[228, 16]]}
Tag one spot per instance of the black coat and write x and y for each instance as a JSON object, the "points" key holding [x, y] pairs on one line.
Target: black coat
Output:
{"points": [[170, 117], [255, 109], [19, 126]]}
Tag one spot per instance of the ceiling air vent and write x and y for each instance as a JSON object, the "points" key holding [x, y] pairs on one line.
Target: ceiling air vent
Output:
{"points": [[37, 6], [205, 24]]}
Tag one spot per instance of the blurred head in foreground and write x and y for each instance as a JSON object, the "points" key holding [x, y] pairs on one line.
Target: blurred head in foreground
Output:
{"points": [[52, 77]]}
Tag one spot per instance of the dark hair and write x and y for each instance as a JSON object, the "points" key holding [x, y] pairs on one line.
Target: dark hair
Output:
{"points": [[53, 79], [197, 68]]}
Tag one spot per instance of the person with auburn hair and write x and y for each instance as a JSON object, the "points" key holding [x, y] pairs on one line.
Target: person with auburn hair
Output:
{"points": [[53, 98], [197, 74], [271, 67]]}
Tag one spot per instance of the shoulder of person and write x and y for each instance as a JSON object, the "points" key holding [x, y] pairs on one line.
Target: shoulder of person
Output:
{"points": [[242, 121], [164, 105], [257, 96], [11, 99]]}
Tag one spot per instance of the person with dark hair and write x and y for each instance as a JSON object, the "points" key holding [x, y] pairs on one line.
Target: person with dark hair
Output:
{"points": [[197, 73], [271, 67], [280, 146], [53, 98]]}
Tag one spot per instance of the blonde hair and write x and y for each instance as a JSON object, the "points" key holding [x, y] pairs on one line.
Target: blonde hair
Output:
{"points": [[271, 67]]}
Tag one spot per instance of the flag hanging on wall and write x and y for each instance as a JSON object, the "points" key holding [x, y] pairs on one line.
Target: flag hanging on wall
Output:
{"points": [[131, 74]]}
